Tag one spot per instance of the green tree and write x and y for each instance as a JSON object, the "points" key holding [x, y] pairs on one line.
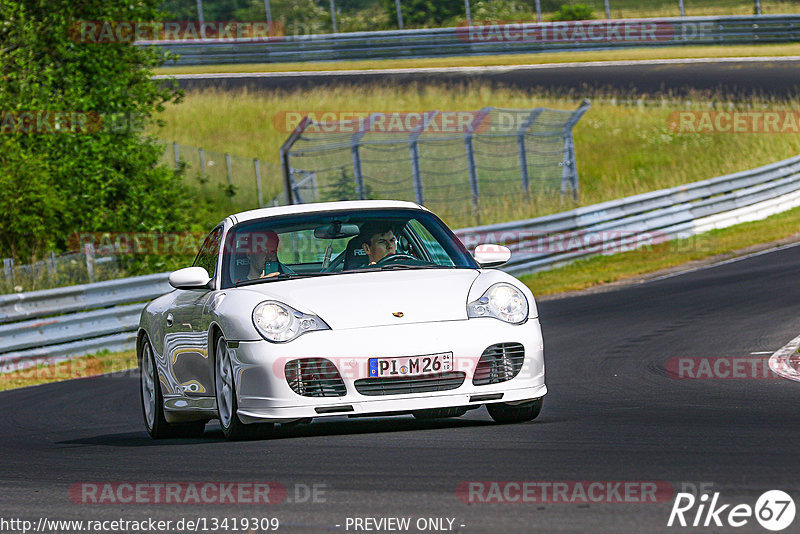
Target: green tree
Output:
{"points": [[419, 13], [101, 178]]}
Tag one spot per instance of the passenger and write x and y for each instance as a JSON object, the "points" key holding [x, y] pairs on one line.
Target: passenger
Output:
{"points": [[263, 258]]}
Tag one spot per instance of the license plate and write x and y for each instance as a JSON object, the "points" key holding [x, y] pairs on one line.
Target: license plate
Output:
{"points": [[411, 365]]}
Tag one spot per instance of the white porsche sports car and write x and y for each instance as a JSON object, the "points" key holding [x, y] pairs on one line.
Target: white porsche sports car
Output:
{"points": [[344, 308]]}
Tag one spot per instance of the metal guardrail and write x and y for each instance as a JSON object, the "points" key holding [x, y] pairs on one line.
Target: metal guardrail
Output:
{"points": [[491, 39], [654, 217], [71, 321]]}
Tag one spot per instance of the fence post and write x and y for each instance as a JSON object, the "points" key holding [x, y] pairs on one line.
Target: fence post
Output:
{"points": [[523, 155], [758, 7], [8, 269], [569, 174], [680, 6], [608, 9], [228, 167], [538, 10], [202, 167], [88, 250], [51, 265], [176, 154], [470, 152], [355, 140], [258, 182], [284, 153], [413, 147]]}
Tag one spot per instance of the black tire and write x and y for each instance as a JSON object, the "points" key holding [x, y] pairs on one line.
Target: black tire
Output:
{"points": [[439, 413], [151, 397], [503, 412], [227, 405]]}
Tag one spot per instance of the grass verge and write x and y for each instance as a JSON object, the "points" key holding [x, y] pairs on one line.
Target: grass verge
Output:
{"points": [[629, 54], [83, 367], [716, 245]]}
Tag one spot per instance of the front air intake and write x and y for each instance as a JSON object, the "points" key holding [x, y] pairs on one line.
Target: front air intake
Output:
{"points": [[412, 384], [499, 363], [314, 377]]}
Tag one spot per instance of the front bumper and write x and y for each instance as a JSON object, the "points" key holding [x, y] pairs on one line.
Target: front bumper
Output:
{"points": [[264, 394]]}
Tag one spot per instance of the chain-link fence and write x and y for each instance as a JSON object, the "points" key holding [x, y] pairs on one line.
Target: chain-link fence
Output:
{"points": [[246, 183], [459, 164], [79, 267]]}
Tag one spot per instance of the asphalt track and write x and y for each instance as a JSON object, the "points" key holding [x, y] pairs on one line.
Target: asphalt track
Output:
{"points": [[613, 414], [725, 77]]}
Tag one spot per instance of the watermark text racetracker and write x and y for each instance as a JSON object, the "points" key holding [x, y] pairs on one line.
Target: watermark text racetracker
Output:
{"points": [[582, 31], [520, 241], [564, 492], [114, 31], [735, 122], [48, 525], [753, 367]]}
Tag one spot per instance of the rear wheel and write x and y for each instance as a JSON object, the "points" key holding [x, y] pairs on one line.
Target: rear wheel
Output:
{"points": [[503, 412], [153, 402], [439, 413], [227, 405]]}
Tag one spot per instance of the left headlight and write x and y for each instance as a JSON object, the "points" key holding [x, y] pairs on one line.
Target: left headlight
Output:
{"points": [[279, 322], [501, 301]]}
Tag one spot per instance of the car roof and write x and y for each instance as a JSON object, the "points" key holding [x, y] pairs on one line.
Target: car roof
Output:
{"points": [[317, 207]]}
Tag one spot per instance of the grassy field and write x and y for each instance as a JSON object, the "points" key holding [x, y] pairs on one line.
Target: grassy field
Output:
{"points": [[621, 149], [631, 54]]}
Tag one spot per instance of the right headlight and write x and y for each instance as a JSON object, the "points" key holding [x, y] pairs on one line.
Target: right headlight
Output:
{"points": [[501, 301], [279, 322]]}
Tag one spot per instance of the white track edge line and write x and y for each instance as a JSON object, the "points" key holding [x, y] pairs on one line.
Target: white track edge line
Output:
{"points": [[480, 69]]}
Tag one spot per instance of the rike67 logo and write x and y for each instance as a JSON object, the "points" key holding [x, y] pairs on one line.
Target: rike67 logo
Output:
{"points": [[774, 510]]}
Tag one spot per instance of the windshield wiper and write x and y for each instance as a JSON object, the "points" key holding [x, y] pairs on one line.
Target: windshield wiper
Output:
{"points": [[282, 276]]}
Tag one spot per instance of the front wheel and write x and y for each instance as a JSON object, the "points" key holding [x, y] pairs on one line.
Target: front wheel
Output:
{"points": [[153, 402], [227, 405], [503, 412]]}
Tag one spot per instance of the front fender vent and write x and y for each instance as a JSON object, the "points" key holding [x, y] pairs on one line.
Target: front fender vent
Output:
{"points": [[314, 377], [499, 363]]}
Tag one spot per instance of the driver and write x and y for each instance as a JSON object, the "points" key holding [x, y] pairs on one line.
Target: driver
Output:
{"points": [[378, 240]]}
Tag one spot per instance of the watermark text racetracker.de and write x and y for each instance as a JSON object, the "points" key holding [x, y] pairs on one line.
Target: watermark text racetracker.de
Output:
{"points": [[46, 525], [60, 122], [203, 493]]}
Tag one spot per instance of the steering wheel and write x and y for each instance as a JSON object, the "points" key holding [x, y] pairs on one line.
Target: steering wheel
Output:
{"points": [[395, 258]]}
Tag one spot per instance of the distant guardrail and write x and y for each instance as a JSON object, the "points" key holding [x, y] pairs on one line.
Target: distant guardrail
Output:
{"points": [[70, 321], [487, 38]]}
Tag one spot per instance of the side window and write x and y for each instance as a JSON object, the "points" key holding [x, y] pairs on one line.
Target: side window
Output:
{"points": [[434, 248], [209, 252]]}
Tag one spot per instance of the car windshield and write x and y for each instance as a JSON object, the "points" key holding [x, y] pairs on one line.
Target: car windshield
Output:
{"points": [[337, 242]]}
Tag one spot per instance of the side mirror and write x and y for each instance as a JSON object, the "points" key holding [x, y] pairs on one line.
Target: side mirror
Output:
{"points": [[491, 255], [189, 278]]}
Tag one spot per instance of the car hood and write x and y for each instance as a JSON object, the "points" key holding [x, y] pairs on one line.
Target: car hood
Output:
{"points": [[359, 300]]}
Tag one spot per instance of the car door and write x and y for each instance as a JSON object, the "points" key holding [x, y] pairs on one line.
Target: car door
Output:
{"points": [[186, 341]]}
